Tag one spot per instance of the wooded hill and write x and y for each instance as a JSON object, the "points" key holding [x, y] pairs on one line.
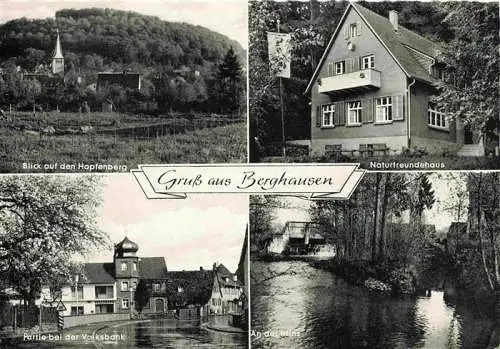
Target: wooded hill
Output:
{"points": [[184, 67], [112, 39]]}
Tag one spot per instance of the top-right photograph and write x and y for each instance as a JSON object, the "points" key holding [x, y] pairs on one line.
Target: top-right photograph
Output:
{"points": [[402, 85]]}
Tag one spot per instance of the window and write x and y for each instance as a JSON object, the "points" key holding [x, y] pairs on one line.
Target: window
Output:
{"points": [[75, 294], [104, 292], [125, 303], [437, 119], [354, 113], [328, 112], [124, 286], [134, 266], [384, 109], [104, 308], [339, 67], [156, 287], [369, 62], [76, 311], [353, 30], [124, 266], [180, 289]]}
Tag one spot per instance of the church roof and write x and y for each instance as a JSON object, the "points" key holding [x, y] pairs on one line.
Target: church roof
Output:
{"points": [[58, 50]]}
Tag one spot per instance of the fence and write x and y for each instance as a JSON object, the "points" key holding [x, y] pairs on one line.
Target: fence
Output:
{"points": [[18, 317], [71, 321]]}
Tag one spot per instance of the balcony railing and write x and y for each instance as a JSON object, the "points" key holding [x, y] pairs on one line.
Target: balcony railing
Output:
{"points": [[354, 81]]}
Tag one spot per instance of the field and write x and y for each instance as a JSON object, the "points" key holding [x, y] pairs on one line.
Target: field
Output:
{"points": [[118, 139]]}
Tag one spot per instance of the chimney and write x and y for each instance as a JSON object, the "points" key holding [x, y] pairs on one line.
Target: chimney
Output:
{"points": [[201, 268], [393, 18]]}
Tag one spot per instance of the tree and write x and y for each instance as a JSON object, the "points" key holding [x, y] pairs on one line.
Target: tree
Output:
{"points": [[469, 92], [262, 214], [229, 83], [484, 216], [46, 223]]}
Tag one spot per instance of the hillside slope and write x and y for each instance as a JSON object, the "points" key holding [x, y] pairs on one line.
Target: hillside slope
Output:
{"points": [[113, 39]]}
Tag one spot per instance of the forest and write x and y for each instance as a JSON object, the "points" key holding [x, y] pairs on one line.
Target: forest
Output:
{"points": [[184, 67], [468, 31]]}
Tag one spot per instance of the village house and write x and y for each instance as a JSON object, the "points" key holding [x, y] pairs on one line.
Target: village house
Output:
{"points": [[227, 292], [123, 79], [370, 93]]}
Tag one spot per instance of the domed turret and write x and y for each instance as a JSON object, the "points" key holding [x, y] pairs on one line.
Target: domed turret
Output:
{"points": [[126, 248]]}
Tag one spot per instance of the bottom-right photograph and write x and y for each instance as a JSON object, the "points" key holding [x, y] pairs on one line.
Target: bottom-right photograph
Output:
{"points": [[410, 260]]}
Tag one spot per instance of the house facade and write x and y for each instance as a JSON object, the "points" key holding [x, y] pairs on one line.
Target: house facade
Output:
{"points": [[227, 291], [370, 93]]}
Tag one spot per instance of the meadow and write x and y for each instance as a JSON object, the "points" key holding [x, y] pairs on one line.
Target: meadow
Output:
{"points": [[118, 139]]}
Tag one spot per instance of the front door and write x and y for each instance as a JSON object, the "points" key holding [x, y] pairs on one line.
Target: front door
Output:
{"points": [[159, 305], [468, 135]]}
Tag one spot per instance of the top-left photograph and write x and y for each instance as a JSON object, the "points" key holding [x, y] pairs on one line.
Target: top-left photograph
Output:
{"points": [[104, 86]]}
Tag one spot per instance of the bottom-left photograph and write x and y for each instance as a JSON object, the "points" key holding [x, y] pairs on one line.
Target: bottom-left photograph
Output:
{"points": [[88, 261]]}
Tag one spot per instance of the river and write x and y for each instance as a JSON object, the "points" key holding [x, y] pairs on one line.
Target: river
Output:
{"points": [[310, 308]]}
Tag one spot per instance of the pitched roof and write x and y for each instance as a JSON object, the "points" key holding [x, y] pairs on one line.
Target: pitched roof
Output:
{"points": [[396, 42], [98, 273], [152, 268], [225, 277]]}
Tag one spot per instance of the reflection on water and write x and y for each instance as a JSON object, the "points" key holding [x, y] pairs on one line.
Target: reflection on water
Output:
{"points": [[310, 308], [167, 334]]}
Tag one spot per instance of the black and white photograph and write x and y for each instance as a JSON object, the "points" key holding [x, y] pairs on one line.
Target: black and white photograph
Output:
{"points": [[120, 83], [410, 260], [393, 85], [88, 261]]}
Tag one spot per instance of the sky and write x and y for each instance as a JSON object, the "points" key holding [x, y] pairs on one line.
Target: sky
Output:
{"points": [[228, 17], [190, 233]]}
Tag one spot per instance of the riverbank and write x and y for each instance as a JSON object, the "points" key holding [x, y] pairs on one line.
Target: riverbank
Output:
{"points": [[382, 278]]}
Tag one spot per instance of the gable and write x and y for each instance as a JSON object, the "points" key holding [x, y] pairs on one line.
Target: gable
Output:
{"points": [[397, 45]]}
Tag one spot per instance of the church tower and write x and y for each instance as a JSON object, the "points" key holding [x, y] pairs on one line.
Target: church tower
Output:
{"points": [[58, 59]]}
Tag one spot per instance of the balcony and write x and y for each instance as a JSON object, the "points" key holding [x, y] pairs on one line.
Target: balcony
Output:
{"points": [[350, 82]]}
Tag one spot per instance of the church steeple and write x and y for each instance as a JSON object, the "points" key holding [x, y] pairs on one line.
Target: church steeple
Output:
{"points": [[58, 59]]}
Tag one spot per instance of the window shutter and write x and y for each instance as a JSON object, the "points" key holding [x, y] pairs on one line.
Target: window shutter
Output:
{"points": [[339, 113], [346, 31], [397, 107], [355, 61], [349, 65], [318, 116], [368, 110], [358, 24], [330, 69]]}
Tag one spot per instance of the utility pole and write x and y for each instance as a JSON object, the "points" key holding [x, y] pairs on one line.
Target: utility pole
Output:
{"points": [[283, 142]]}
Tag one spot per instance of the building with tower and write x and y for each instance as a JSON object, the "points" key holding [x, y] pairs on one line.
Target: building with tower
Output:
{"points": [[58, 58], [133, 284]]}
